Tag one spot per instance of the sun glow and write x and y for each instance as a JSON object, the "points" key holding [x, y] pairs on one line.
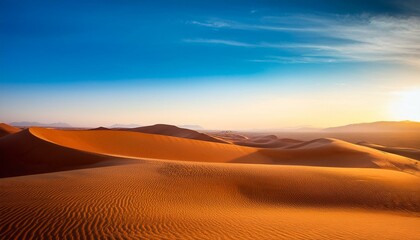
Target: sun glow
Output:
{"points": [[407, 105]]}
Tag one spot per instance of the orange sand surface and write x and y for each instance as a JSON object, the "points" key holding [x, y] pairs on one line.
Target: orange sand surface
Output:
{"points": [[130, 185]]}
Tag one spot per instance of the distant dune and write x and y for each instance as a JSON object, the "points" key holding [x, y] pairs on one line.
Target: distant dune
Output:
{"points": [[100, 128], [174, 131], [7, 129], [124, 126], [407, 152], [228, 136], [268, 141]]}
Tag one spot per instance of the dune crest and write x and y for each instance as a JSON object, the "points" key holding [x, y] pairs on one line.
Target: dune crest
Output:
{"points": [[174, 131], [407, 152], [179, 188], [6, 129], [46, 149]]}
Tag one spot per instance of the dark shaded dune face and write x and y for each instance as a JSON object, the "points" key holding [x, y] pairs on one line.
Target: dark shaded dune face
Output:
{"points": [[99, 128], [7, 129], [174, 131], [23, 153], [406, 152]]}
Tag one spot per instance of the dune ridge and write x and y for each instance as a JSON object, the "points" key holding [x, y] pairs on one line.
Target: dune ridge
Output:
{"points": [[6, 129], [174, 131], [319, 152], [48, 149], [407, 152], [23, 153], [178, 188]]}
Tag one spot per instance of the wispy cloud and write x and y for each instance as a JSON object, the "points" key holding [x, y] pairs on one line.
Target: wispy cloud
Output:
{"points": [[219, 41], [339, 38]]}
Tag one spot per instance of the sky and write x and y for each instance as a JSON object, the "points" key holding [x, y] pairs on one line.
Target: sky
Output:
{"points": [[219, 64]]}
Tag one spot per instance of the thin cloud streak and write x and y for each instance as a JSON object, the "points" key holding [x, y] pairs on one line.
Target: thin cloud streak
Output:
{"points": [[351, 38], [220, 41]]}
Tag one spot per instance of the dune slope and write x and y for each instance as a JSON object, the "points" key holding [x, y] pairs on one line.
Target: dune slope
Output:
{"points": [[319, 152], [186, 200], [407, 152], [174, 131], [7, 129], [47, 149], [23, 153]]}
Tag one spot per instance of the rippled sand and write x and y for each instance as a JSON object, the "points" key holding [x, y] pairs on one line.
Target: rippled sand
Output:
{"points": [[150, 196]]}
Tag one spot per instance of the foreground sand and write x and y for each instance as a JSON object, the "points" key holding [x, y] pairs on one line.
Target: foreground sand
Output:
{"points": [[174, 188], [178, 200]]}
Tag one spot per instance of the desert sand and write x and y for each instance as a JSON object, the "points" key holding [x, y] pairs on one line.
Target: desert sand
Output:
{"points": [[7, 129], [407, 152], [109, 184]]}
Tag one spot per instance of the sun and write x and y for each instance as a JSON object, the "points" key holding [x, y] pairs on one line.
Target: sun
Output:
{"points": [[407, 105]]}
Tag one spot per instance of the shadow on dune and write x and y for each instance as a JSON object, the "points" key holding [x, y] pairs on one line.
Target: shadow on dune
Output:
{"points": [[310, 157], [24, 154], [321, 190]]}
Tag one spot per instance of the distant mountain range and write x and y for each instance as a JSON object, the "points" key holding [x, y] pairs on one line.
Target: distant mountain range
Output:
{"points": [[37, 124], [383, 126]]}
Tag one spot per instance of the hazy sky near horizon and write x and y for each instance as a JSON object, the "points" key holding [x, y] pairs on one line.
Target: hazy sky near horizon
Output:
{"points": [[219, 64]]}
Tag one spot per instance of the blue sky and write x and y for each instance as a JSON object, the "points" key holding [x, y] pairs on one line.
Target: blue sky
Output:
{"points": [[93, 63]]}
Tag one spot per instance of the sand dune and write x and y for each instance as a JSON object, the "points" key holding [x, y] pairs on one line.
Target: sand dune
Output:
{"points": [[320, 152], [178, 188], [100, 128], [395, 139], [23, 153], [185, 200], [174, 131], [7, 129], [228, 136], [45, 150], [407, 152]]}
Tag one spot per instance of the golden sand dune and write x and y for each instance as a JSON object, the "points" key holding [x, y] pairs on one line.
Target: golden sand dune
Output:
{"points": [[177, 188], [174, 131], [24, 153], [319, 152], [407, 152], [46, 150], [7, 129], [188, 200]]}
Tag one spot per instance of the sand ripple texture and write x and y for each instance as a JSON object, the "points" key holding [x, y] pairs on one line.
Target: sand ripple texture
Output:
{"points": [[188, 200]]}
